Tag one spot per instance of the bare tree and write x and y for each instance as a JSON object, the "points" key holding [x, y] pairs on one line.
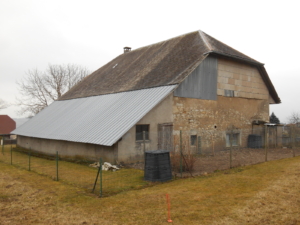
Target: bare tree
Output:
{"points": [[294, 118], [3, 104], [39, 89]]}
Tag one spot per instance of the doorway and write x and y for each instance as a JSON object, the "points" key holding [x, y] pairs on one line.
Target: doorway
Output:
{"points": [[165, 136]]}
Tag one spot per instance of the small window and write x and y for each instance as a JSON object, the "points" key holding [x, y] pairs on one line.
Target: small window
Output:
{"points": [[229, 93], [193, 140], [235, 141], [139, 132]]}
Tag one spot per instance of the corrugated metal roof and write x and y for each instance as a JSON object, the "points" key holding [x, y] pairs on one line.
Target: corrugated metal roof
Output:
{"points": [[102, 119]]}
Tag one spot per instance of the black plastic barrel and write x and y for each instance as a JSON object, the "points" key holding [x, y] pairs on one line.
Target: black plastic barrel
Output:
{"points": [[254, 141], [157, 166]]}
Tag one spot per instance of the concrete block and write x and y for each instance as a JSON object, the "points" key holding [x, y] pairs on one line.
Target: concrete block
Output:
{"points": [[221, 66], [231, 81], [236, 76], [238, 82], [242, 94], [221, 86], [243, 77], [220, 92]]}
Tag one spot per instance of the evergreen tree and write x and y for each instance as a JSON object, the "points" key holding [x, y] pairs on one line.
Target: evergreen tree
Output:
{"points": [[274, 119]]}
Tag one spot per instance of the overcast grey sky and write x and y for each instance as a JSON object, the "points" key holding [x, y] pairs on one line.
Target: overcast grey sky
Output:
{"points": [[90, 33]]}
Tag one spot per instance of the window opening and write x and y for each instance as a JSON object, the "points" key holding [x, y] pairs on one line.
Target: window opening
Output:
{"points": [[229, 93], [139, 132], [193, 140], [234, 141]]}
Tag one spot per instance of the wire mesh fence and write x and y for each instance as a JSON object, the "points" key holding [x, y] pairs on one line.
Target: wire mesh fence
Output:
{"points": [[191, 153], [79, 174], [204, 151]]}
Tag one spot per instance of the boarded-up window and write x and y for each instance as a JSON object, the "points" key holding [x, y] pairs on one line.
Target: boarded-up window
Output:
{"points": [[139, 132]]}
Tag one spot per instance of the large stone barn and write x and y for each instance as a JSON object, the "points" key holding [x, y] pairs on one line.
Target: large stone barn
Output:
{"points": [[143, 98]]}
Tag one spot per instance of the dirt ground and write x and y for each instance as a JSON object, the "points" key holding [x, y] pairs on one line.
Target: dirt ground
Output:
{"points": [[209, 163], [240, 157]]}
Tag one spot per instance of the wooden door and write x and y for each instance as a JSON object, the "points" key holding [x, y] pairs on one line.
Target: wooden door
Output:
{"points": [[165, 136]]}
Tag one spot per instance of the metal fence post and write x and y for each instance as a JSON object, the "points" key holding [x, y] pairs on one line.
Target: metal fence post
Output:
{"points": [[144, 144], [266, 143], [181, 153], [100, 177], [230, 140], [2, 142], [294, 140], [144, 141], [29, 154], [10, 155], [56, 165]]}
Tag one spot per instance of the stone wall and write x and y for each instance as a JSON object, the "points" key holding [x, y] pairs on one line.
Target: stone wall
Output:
{"points": [[212, 120]]}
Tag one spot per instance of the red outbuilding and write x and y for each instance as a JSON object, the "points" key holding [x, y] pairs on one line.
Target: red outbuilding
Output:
{"points": [[7, 125]]}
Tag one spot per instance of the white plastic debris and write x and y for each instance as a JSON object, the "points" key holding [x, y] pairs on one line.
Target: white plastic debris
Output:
{"points": [[106, 166]]}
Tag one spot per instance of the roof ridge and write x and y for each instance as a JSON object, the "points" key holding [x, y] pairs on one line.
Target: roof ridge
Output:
{"points": [[160, 42], [205, 40], [163, 63]]}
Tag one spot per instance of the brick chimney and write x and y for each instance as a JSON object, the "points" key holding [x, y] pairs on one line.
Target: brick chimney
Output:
{"points": [[127, 49]]}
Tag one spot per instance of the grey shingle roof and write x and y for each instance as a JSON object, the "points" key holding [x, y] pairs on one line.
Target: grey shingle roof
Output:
{"points": [[165, 63]]}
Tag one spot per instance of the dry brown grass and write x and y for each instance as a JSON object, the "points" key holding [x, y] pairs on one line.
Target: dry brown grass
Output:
{"points": [[79, 175], [277, 204], [267, 193]]}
